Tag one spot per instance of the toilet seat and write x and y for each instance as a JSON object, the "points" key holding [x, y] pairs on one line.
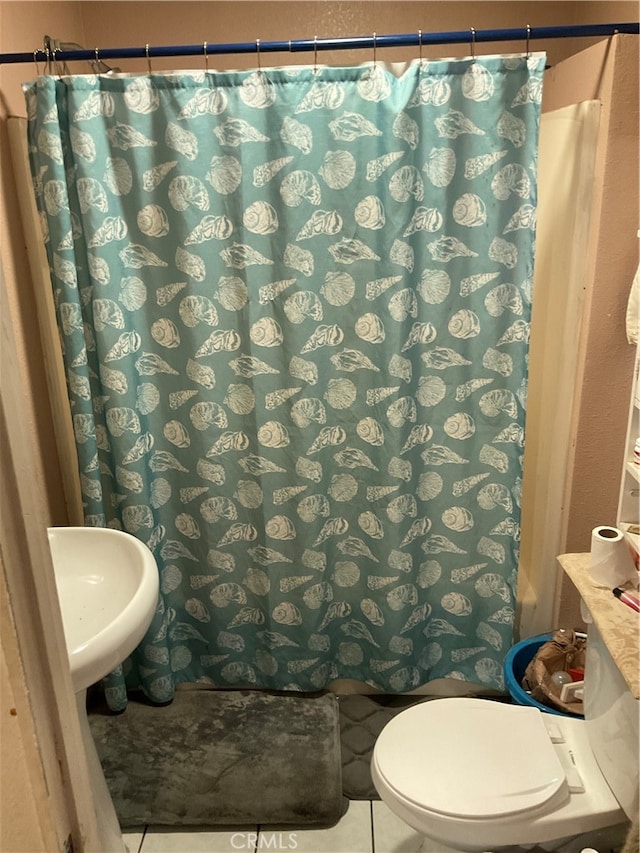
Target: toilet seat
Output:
{"points": [[447, 774]]}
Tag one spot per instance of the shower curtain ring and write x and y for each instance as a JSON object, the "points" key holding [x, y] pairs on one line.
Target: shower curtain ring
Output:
{"points": [[258, 53], [420, 43], [55, 60], [375, 39], [146, 50], [35, 61], [315, 54], [473, 43], [528, 37], [206, 58]]}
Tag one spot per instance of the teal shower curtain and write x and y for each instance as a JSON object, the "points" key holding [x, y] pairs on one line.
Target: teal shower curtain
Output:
{"points": [[294, 307]]}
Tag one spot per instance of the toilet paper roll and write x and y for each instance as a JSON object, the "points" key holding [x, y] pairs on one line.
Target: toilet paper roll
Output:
{"points": [[611, 564]]}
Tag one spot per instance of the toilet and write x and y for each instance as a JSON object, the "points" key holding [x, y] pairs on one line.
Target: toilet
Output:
{"points": [[478, 775]]}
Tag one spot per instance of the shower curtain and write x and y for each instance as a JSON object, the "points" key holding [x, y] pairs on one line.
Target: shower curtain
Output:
{"points": [[294, 307]]}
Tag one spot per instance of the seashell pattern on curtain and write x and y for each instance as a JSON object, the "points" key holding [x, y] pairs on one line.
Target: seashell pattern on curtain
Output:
{"points": [[294, 307]]}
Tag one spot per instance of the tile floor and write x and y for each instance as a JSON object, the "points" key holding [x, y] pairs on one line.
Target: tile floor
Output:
{"points": [[366, 827]]}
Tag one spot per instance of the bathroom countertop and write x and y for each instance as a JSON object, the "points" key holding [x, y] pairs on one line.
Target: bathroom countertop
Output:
{"points": [[618, 624]]}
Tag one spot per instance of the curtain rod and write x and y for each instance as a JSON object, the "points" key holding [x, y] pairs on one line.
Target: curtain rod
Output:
{"points": [[417, 39]]}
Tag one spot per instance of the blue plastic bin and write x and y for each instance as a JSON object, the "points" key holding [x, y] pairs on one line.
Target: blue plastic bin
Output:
{"points": [[517, 659]]}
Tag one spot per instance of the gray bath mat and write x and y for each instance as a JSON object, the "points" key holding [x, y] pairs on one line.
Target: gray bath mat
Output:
{"points": [[216, 757], [362, 718]]}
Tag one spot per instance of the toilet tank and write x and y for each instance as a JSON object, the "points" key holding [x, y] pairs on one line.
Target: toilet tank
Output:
{"points": [[611, 714]]}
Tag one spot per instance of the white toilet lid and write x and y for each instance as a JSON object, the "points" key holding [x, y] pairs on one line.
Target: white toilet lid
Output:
{"points": [[470, 758]]}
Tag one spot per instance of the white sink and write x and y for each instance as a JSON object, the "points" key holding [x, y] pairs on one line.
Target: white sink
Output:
{"points": [[108, 589]]}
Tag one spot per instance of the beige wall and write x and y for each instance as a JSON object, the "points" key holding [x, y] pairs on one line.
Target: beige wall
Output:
{"points": [[606, 363], [21, 781], [246, 21], [608, 358], [580, 362], [23, 24], [599, 437], [32, 818], [39, 726], [110, 24]]}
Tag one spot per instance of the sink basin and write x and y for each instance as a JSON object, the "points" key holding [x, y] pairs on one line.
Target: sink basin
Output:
{"points": [[107, 584], [108, 589]]}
